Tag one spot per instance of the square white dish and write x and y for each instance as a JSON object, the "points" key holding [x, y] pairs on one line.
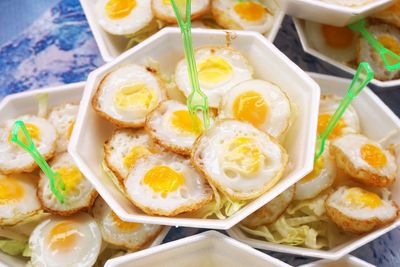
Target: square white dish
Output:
{"points": [[310, 49], [376, 124], [332, 14], [206, 249], [27, 103], [91, 130], [111, 46]]}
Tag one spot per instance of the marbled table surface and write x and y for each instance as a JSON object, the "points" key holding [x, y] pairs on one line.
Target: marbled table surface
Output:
{"points": [[58, 48]]}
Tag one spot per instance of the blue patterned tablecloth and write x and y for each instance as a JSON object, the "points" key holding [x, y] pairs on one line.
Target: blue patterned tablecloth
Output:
{"points": [[59, 48]]}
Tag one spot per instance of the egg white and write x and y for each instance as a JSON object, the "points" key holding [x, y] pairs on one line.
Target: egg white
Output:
{"points": [[16, 209], [63, 118], [212, 148], [240, 71], [193, 194], [13, 159], [112, 233], [277, 102], [127, 75], [140, 16], [83, 254], [165, 12], [80, 198]]}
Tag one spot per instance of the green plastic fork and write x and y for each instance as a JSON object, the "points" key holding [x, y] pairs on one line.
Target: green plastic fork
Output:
{"points": [[390, 59], [56, 183], [363, 76], [197, 100]]}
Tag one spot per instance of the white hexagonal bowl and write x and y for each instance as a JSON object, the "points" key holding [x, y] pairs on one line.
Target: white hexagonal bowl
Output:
{"points": [[206, 249], [310, 49], [377, 121], [111, 46], [86, 145], [346, 261], [332, 14], [27, 103]]}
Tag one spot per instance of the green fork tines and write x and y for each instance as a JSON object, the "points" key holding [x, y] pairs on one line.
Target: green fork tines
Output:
{"points": [[363, 76], [56, 183], [390, 59], [197, 100]]}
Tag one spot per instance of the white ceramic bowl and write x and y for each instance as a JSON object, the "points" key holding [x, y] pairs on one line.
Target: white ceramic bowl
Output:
{"points": [[377, 121], [346, 261], [269, 63], [26, 103], [206, 249], [332, 14], [111, 46], [310, 49]]}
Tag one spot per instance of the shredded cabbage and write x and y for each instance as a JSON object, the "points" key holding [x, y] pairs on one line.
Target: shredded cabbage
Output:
{"points": [[144, 33], [13, 247], [303, 224], [43, 103], [112, 176]]}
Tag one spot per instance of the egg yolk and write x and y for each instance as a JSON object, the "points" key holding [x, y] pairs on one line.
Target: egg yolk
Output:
{"points": [[359, 197], [318, 167], [250, 11], [244, 154], [63, 237], [119, 9], [10, 191], [182, 120], [337, 37], [124, 226], [70, 129], [373, 155], [390, 42], [33, 131], [71, 176], [323, 120], [214, 70], [251, 107], [134, 155], [134, 97], [163, 179]]}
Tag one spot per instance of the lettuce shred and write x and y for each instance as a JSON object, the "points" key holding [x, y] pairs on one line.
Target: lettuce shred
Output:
{"points": [[43, 104], [144, 33], [13, 247], [303, 224], [112, 176]]}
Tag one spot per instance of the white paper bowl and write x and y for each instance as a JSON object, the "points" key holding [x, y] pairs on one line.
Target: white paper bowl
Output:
{"points": [[346, 261], [310, 49], [269, 63], [332, 14], [26, 103], [377, 121], [111, 46], [206, 249]]}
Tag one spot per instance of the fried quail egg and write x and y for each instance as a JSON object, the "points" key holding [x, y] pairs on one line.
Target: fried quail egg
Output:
{"points": [[125, 148], [244, 15], [72, 241], [260, 103], [347, 3], [219, 69], [349, 123], [163, 9], [389, 37], [18, 199], [391, 14], [172, 126], [79, 194], [127, 95], [338, 43], [322, 177], [364, 160], [129, 235], [13, 159], [122, 17], [63, 118], [359, 211], [166, 184], [238, 159], [270, 212]]}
